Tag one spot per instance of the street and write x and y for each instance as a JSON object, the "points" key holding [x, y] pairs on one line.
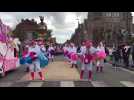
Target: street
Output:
{"points": [[59, 74]]}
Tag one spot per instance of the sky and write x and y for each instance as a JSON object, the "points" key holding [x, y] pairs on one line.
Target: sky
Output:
{"points": [[63, 24]]}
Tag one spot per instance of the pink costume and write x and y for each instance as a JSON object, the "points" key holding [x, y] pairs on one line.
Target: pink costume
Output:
{"points": [[51, 53], [101, 53], [100, 56], [82, 53], [73, 55], [88, 60], [65, 51]]}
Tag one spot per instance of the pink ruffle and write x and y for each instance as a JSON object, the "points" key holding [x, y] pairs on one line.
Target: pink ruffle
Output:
{"points": [[101, 55], [65, 53], [74, 56]]}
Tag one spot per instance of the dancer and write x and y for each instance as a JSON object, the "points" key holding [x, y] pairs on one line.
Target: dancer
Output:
{"points": [[68, 53], [43, 49], [35, 65], [24, 55], [73, 55], [82, 52], [65, 50], [88, 60], [101, 55], [51, 52]]}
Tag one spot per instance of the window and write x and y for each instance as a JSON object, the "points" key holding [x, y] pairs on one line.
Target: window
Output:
{"points": [[116, 14], [108, 14]]}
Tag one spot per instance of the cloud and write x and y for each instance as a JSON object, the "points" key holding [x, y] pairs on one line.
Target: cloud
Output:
{"points": [[63, 24]]}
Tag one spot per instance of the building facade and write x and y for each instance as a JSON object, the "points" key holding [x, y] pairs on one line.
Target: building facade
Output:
{"points": [[109, 27]]}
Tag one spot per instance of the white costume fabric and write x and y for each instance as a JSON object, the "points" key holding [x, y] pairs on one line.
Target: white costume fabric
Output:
{"points": [[89, 66], [17, 42], [65, 49], [83, 50], [101, 49], [50, 55], [69, 51], [43, 49], [35, 66], [100, 63], [73, 50], [82, 54]]}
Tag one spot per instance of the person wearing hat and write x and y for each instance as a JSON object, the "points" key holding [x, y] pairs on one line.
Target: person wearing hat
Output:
{"points": [[88, 60]]}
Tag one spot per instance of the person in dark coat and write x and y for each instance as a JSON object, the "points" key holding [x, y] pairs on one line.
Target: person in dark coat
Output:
{"points": [[133, 54], [126, 53], [107, 53], [116, 56], [78, 49]]}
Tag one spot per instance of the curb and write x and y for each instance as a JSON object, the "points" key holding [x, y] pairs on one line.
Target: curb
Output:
{"points": [[128, 68]]}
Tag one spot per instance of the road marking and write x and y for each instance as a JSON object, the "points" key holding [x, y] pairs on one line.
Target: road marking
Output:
{"points": [[8, 84], [99, 84], [127, 83], [132, 72], [124, 69], [67, 84], [35, 84]]}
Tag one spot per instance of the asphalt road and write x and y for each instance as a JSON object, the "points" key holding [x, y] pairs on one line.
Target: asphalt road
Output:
{"points": [[109, 78]]}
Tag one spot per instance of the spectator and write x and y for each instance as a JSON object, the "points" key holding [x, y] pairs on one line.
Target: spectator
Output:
{"points": [[126, 53], [78, 49], [107, 53], [133, 54], [115, 57]]}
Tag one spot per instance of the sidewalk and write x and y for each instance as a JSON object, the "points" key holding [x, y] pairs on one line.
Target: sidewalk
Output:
{"points": [[129, 67]]}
